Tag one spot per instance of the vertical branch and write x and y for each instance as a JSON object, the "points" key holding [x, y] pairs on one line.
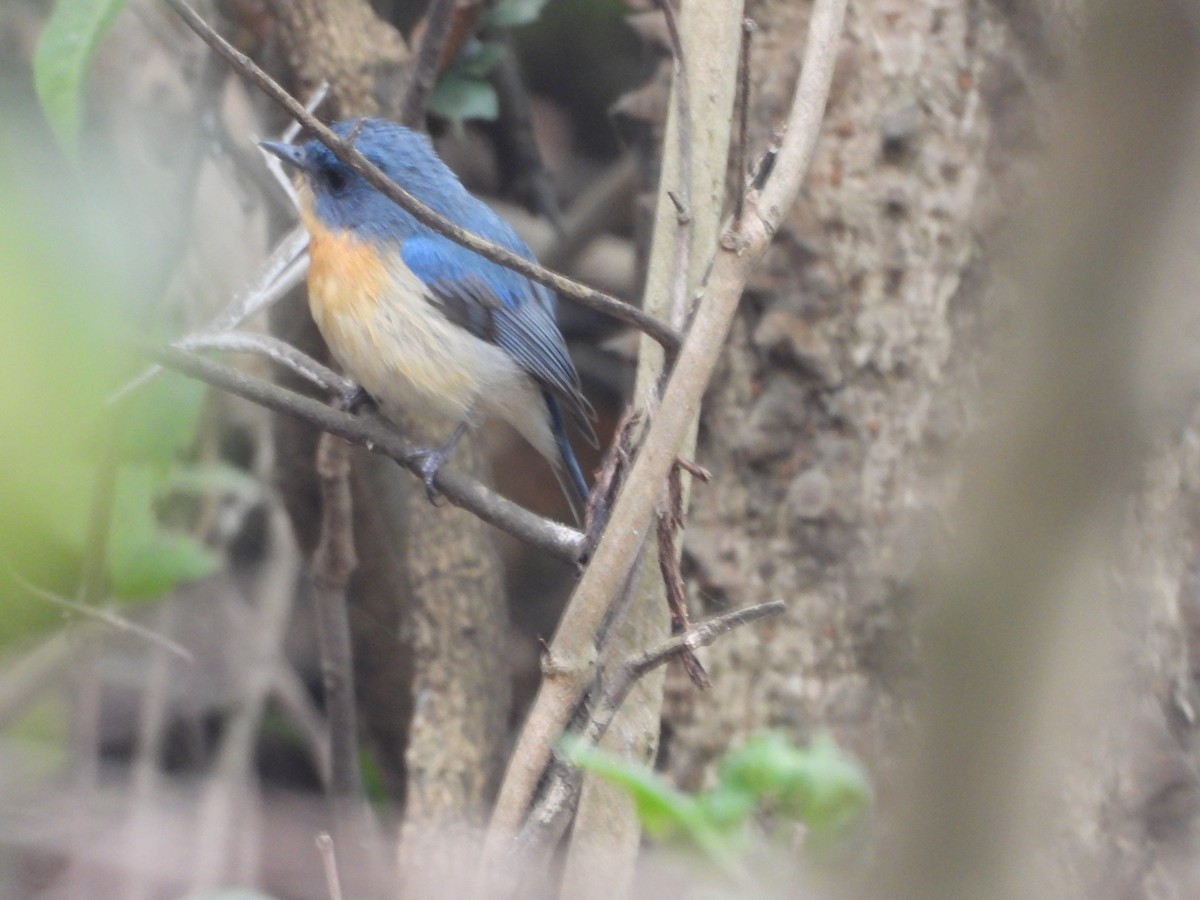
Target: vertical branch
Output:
{"points": [[422, 73], [573, 648], [681, 196], [333, 563], [606, 833], [739, 148]]}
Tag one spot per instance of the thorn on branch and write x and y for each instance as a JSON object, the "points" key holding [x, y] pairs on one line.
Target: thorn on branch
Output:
{"points": [[694, 469], [682, 216]]}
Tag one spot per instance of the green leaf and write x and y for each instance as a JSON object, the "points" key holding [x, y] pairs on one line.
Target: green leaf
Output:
{"points": [[835, 793], [61, 61], [458, 98], [663, 811], [149, 569], [818, 785], [146, 559], [478, 58], [511, 13]]}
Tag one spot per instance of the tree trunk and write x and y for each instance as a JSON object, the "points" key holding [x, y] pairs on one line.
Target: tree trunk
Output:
{"points": [[835, 436]]}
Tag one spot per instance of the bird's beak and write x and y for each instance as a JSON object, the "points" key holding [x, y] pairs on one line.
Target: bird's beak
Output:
{"points": [[290, 154]]}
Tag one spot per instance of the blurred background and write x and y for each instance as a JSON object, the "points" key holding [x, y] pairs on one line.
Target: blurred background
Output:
{"points": [[954, 429]]}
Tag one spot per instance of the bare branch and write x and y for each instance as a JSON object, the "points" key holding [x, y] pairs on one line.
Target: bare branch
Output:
{"points": [[281, 352], [348, 154], [683, 198], [739, 159], [602, 582], [333, 562], [548, 820], [99, 614], [371, 430], [670, 524], [333, 880], [422, 73], [697, 636]]}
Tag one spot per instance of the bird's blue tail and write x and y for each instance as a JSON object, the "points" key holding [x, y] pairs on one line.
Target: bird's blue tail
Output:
{"points": [[570, 476]]}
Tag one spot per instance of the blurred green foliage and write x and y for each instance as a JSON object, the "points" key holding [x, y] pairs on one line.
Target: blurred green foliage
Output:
{"points": [[60, 65], [463, 92], [762, 785], [72, 274]]}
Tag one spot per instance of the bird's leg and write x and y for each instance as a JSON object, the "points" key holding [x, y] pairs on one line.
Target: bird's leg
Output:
{"points": [[432, 460]]}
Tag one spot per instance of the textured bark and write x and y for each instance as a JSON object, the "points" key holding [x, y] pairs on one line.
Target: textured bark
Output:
{"points": [[854, 372], [818, 430], [345, 43]]}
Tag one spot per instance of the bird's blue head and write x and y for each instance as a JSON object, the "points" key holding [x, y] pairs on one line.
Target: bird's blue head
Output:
{"points": [[343, 200]]}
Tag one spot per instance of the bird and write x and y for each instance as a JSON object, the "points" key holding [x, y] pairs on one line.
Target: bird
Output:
{"points": [[421, 323]]}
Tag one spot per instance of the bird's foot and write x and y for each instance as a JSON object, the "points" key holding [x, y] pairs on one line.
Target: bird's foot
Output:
{"points": [[428, 462]]}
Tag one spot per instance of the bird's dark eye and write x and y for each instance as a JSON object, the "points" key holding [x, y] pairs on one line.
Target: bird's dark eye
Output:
{"points": [[336, 179]]}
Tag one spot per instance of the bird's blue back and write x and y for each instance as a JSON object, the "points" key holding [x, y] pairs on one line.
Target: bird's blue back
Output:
{"points": [[409, 160], [493, 302]]}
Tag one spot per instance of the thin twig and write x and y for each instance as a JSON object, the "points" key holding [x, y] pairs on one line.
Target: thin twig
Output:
{"points": [[739, 148], [351, 157], [371, 430], [682, 197], [297, 361], [333, 564], [99, 614], [423, 72], [333, 880], [700, 635], [669, 526], [548, 820]]}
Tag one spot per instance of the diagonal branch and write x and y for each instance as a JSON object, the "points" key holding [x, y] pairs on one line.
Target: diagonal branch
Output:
{"points": [[548, 820], [573, 649], [422, 74], [371, 430], [348, 154]]}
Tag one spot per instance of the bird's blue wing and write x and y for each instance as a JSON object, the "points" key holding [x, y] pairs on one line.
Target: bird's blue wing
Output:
{"points": [[500, 306]]}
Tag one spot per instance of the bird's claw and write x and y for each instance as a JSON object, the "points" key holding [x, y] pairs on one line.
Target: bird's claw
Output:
{"points": [[428, 463]]}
